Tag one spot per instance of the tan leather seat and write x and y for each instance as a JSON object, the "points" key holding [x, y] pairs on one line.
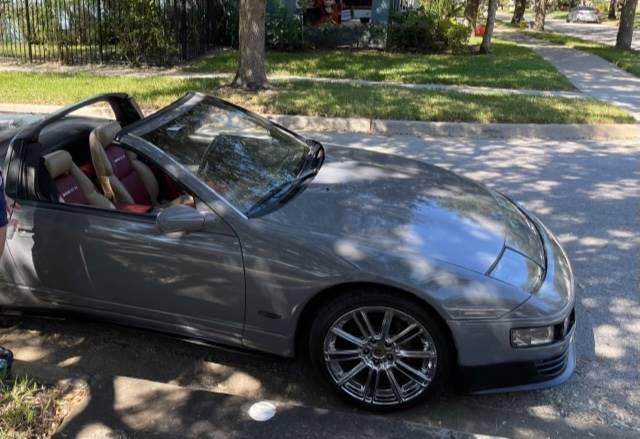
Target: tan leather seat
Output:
{"points": [[123, 178], [73, 186]]}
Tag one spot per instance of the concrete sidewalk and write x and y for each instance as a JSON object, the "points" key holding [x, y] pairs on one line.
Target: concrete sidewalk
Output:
{"points": [[589, 73], [13, 115]]}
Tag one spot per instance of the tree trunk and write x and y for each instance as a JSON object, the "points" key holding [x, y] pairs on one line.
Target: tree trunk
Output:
{"points": [[251, 74], [625, 31], [485, 47], [518, 12], [471, 12], [612, 9], [539, 7]]}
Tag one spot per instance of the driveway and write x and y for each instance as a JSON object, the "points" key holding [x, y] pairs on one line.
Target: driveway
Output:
{"points": [[587, 192]]}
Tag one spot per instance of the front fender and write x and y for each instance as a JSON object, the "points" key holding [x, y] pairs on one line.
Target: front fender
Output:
{"points": [[454, 292], [282, 277]]}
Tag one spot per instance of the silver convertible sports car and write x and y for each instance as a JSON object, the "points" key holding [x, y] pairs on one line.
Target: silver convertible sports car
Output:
{"points": [[394, 278]]}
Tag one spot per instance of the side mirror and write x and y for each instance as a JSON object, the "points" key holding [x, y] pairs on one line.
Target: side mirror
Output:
{"points": [[180, 219]]}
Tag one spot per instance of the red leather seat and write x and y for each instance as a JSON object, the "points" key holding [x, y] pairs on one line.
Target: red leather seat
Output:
{"points": [[123, 177], [72, 185], [88, 170], [123, 170]]}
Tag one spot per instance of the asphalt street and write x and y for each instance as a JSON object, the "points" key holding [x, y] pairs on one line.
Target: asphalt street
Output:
{"points": [[604, 33], [587, 192]]}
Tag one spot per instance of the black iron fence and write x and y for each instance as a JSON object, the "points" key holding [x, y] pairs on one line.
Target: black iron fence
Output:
{"points": [[107, 31]]}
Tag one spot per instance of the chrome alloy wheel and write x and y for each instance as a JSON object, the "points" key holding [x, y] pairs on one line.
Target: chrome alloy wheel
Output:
{"points": [[380, 355]]}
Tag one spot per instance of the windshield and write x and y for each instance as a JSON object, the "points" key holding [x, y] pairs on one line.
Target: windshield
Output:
{"points": [[240, 156]]}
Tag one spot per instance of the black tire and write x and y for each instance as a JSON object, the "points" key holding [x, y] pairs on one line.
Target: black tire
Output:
{"points": [[352, 300]]}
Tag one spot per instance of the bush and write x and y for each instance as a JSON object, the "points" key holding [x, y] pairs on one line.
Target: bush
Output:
{"points": [[431, 28], [331, 36], [565, 5], [444, 9], [601, 5], [413, 31], [144, 34], [284, 30], [423, 31], [456, 36]]}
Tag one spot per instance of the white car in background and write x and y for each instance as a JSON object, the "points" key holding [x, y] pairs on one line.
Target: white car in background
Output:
{"points": [[583, 14]]}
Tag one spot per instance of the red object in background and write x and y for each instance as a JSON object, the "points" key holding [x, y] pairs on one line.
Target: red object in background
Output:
{"points": [[326, 10], [336, 12], [479, 30], [133, 208]]}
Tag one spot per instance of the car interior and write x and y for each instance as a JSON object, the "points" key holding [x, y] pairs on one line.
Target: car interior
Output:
{"points": [[81, 165]]}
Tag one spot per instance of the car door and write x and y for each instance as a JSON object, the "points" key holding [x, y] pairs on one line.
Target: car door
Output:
{"points": [[43, 240], [194, 281], [120, 264], [44, 262]]}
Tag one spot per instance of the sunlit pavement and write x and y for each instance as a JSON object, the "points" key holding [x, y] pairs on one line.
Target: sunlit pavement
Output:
{"points": [[604, 33], [10, 120], [590, 74], [588, 193]]}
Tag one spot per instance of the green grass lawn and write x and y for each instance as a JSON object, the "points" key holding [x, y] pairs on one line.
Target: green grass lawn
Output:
{"points": [[509, 66], [28, 409], [308, 98], [628, 60]]}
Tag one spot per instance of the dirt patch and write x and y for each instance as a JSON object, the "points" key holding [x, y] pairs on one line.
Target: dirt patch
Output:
{"points": [[32, 410]]}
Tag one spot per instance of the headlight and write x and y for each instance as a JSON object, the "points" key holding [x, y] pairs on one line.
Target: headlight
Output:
{"points": [[517, 270], [523, 337]]}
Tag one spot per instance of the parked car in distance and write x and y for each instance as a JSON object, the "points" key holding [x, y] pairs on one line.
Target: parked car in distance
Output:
{"points": [[394, 277], [583, 14]]}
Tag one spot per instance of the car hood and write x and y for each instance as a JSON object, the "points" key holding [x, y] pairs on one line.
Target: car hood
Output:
{"points": [[365, 199]]}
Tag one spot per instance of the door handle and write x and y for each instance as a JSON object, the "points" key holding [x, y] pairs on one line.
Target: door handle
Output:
{"points": [[25, 232], [14, 228]]}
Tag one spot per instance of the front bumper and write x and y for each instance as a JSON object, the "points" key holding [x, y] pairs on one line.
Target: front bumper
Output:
{"points": [[594, 20], [487, 360], [553, 367]]}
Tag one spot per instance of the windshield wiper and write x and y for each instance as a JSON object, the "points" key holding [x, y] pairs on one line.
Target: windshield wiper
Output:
{"points": [[282, 190], [315, 152], [309, 170]]}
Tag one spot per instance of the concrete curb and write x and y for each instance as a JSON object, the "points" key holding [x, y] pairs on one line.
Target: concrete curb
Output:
{"points": [[415, 128], [461, 129]]}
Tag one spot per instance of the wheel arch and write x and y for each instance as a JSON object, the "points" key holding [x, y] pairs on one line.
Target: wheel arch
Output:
{"points": [[310, 308]]}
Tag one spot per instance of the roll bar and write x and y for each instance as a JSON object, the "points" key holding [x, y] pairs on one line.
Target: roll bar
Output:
{"points": [[124, 107]]}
